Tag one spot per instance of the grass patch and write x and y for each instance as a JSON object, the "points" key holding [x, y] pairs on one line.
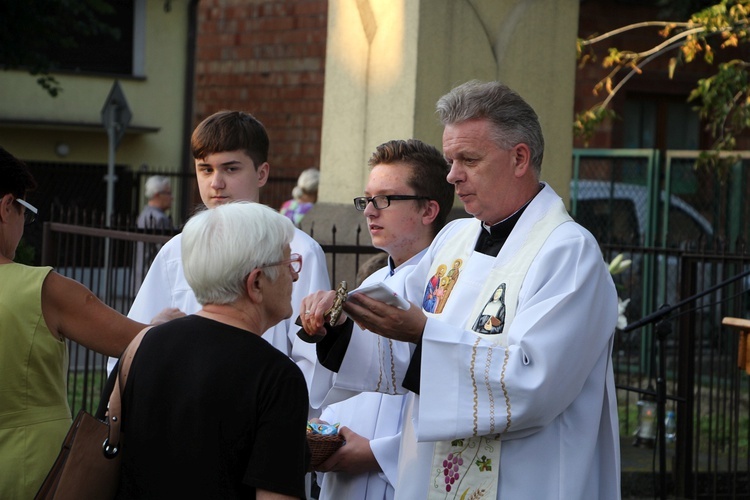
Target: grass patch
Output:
{"points": [[85, 389]]}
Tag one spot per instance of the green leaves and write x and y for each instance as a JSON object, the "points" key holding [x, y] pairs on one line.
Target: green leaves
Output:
{"points": [[587, 122], [722, 100], [723, 104]]}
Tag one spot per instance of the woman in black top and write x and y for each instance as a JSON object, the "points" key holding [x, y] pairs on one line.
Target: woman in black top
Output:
{"points": [[210, 409]]}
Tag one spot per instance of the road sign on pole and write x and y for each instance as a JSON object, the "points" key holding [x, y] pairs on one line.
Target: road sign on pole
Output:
{"points": [[116, 113], [116, 117]]}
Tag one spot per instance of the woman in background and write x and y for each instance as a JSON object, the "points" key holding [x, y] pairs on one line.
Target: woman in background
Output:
{"points": [[304, 196]]}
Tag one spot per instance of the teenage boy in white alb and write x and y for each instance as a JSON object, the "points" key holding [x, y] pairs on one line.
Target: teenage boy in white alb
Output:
{"points": [[406, 203], [231, 150]]}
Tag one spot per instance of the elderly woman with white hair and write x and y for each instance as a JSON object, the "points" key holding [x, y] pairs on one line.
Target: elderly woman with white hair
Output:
{"points": [[210, 409]]}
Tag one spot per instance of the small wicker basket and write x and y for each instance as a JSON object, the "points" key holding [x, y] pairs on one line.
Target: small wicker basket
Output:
{"points": [[322, 447]]}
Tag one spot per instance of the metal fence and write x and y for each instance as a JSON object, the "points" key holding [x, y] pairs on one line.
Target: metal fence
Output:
{"points": [[696, 358], [684, 228], [652, 198]]}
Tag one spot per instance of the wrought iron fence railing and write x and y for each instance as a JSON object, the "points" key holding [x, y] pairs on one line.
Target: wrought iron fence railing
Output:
{"points": [[708, 393]]}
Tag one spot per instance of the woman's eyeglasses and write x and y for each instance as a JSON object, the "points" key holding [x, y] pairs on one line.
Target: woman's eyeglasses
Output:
{"points": [[29, 215], [295, 263]]}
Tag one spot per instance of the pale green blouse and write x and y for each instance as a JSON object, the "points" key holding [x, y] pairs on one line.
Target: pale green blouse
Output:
{"points": [[34, 412]]}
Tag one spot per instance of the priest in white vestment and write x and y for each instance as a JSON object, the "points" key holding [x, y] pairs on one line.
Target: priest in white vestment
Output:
{"points": [[515, 407]]}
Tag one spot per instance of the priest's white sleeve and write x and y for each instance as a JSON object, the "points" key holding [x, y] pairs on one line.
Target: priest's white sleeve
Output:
{"points": [[558, 350]]}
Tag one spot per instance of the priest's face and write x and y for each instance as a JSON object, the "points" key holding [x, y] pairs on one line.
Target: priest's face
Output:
{"points": [[229, 176], [492, 182], [399, 228]]}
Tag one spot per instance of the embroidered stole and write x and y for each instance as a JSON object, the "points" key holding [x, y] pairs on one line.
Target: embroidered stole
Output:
{"points": [[468, 467]]}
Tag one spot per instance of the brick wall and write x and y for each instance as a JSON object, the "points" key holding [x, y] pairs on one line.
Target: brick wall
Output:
{"points": [[266, 58]]}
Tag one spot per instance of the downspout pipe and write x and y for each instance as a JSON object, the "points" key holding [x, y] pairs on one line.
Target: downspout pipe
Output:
{"points": [[186, 192]]}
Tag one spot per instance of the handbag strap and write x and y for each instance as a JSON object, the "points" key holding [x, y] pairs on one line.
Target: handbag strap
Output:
{"points": [[115, 398]]}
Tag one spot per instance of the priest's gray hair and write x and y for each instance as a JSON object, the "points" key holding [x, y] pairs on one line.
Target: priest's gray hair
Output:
{"points": [[514, 120], [222, 245]]}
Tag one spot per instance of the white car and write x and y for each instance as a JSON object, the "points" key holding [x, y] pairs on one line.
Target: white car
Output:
{"points": [[618, 213]]}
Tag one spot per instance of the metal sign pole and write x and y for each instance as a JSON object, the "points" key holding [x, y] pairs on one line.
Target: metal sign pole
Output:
{"points": [[110, 177], [115, 117]]}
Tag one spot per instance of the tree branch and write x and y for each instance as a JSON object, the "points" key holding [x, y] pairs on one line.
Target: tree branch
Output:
{"points": [[635, 70], [646, 24]]}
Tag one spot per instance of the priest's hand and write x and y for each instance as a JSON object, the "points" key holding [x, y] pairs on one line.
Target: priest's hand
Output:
{"points": [[355, 457], [313, 312], [386, 320]]}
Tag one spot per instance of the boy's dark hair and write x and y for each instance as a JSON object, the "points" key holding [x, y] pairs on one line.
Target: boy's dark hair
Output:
{"points": [[230, 131], [428, 172], [15, 176]]}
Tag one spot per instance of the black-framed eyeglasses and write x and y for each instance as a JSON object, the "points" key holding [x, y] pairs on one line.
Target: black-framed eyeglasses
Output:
{"points": [[382, 201], [294, 263], [29, 215]]}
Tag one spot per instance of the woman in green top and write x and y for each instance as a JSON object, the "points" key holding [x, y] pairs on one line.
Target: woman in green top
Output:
{"points": [[39, 309]]}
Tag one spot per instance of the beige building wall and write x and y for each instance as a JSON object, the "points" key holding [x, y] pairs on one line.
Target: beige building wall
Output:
{"points": [[33, 124], [527, 44], [388, 61], [370, 90]]}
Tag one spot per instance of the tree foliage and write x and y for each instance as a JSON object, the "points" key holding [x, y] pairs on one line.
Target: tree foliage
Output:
{"points": [[30, 30], [722, 100]]}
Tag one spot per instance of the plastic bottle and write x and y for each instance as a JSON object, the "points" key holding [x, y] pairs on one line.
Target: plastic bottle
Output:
{"points": [[670, 427]]}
